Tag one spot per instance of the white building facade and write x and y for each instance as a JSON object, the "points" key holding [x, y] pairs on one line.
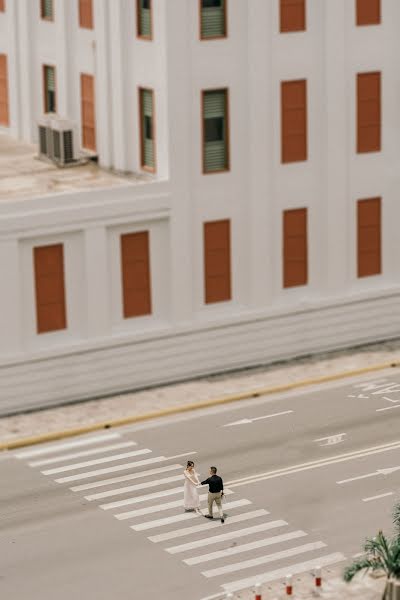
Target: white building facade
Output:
{"points": [[267, 134]]}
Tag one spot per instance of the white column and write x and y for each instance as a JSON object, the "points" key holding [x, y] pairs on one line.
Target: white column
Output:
{"points": [[24, 44], [10, 337], [97, 282]]}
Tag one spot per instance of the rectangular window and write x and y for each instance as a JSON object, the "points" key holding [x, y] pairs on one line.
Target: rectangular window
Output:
{"points": [[135, 267], [4, 114], [292, 15], [49, 84], [144, 19], [368, 112], [47, 9], [293, 121], [49, 288], [369, 237], [368, 12], [88, 112], [212, 19], [86, 14], [217, 261], [2, 5], [147, 149], [215, 131], [295, 247]]}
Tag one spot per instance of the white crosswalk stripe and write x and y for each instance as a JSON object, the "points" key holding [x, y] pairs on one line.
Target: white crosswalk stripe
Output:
{"points": [[263, 560], [137, 499], [182, 517], [96, 461], [55, 459], [133, 488], [276, 539], [231, 535], [57, 447], [122, 478]]}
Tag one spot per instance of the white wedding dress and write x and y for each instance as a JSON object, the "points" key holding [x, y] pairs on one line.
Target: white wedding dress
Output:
{"points": [[191, 498]]}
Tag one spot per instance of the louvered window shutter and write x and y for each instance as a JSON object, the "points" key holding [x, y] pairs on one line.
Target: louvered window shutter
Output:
{"points": [[47, 9], [50, 80], [369, 112], [368, 12], [369, 237], [4, 113], [147, 129], [213, 18], [2, 5], [49, 287], [144, 18], [215, 131]]}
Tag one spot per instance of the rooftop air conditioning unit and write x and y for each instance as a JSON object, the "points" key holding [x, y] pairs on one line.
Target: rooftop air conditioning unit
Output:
{"points": [[58, 140], [45, 136]]}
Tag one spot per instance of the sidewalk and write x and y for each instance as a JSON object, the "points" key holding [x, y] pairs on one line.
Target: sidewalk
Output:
{"points": [[145, 401]]}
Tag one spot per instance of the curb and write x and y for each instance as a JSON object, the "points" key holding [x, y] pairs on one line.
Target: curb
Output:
{"points": [[58, 435]]}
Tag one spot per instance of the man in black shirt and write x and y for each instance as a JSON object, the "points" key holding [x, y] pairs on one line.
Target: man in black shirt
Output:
{"points": [[216, 491]]}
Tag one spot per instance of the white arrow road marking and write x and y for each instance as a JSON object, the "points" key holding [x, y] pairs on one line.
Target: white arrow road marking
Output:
{"points": [[377, 497], [389, 470], [246, 420], [386, 471], [331, 439], [388, 407]]}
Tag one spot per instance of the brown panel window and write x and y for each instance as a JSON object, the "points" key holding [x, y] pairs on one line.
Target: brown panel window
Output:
{"points": [[88, 112], [2, 5], [369, 237], [135, 266], [86, 14], [217, 261], [49, 89], [295, 247], [212, 19], [47, 10], [49, 287], [4, 115], [368, 112], [144, 19], [368, 12], [292, 15], [294, 121]]}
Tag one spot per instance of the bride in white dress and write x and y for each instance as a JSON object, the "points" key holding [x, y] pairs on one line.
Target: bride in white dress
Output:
{"points": [[191, 498]]}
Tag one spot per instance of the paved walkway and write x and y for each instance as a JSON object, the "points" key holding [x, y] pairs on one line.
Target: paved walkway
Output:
{"points": [[140, 402]]}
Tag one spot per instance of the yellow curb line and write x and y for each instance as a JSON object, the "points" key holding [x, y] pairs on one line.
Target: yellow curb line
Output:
{"points": [[49, 437]]}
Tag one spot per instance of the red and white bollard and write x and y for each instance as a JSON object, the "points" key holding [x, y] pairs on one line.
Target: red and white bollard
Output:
{"points": [[257, 591], [289, 585], [317, 577]]}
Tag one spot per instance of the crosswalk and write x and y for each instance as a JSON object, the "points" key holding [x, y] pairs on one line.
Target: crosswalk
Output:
{"points": [[147, 494]]}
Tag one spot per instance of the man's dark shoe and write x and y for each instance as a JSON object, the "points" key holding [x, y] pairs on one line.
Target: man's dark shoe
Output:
{"points": [[222, 520], [208, 517]]}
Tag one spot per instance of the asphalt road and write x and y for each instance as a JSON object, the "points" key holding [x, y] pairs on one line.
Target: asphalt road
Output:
{"points": [[308, 475]]}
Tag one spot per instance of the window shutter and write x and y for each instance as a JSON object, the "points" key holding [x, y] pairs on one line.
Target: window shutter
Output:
{"points": [[368, 112], [368, 12], [49, 287], [295, 247], [135, 264], [294, 121], [292, 15], [50, 79], [2, 5], [369, 237], [217, 261], [47, 9], [4, 114], [215, 153], [88, 112], [144, 18], [213, 20], [147, 120], [86, 14]]}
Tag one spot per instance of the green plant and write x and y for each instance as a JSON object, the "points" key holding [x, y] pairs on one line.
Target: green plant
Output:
{"points": [[396, 518]]}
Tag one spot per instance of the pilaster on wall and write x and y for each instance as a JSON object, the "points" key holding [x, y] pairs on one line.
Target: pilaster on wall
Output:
{"points": [[97, 283], [24, 52], [10, 321]]}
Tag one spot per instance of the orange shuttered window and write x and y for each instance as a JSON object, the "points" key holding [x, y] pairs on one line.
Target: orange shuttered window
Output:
{"points": [[86, 14], [292, 15], [368, 112], [4, 116], [88, 112], [135, 267], [368, 12], [49, 287], [293, 121], [295, 247], [217, 261], [369, 237], [2, 5]]}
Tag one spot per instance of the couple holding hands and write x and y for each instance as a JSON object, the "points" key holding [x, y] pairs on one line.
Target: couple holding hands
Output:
{"points": [[191, 498]]}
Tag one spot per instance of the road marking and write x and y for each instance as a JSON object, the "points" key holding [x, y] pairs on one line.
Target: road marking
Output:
{"points": [[276, 539], [132, 488], [158, 508], [315, 464], [56, 447], [387, 471], [136, 499], [388, 408], [121, 478], [162, 537], [246, 420], [231, 535], [377, 497], [182, 517], [124, 467], [96, 461], [55, 459], [323, 561], [390, 399], [331, 439], [263, 560]]}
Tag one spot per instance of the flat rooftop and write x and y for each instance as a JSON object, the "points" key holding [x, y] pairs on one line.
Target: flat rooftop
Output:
{"points": [[23, 175]]}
